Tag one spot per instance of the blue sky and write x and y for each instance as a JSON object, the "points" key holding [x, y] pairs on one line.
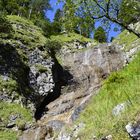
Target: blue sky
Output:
{"points": [[50, 14]]}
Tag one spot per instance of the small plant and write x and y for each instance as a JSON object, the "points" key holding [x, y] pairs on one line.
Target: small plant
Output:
{"points": [[115, 78], [53, 46], [5, 27], [41, 68]]}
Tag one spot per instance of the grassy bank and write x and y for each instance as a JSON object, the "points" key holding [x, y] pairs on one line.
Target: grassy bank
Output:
{"points": [[120, 87]]}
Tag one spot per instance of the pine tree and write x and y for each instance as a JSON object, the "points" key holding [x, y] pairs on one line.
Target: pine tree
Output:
{"points": [[57, 23], [100, 35]]}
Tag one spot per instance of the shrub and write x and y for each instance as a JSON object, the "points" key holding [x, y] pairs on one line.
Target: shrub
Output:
{"points": [[53, 46], [5, 26]]}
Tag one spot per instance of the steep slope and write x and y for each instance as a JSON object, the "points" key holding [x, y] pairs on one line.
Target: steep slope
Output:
{"points": [[27, 76], [55, 87], [114, 113], [17, 52], [87, 69]]}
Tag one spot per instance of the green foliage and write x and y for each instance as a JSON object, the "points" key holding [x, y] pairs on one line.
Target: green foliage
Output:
{"points": [[25, 31], [107, 11], [114, 78], [69, 18], [100, 35], [58, 15], [5, 27], [8, 109], [85, 25], [75, 21], [41, 68], [129, 11], [120, 87], [64, 38], [25, 8], [53, 46], [57, 23], [37, 8], [10, 85], [8, 135]]}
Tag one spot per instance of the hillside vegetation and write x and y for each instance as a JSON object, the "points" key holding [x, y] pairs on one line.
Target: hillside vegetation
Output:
{"points": [[120, 87]]}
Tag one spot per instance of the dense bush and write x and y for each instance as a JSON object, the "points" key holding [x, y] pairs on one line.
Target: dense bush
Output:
{"points": [[53, 46], [5, 26], [100, 35]]}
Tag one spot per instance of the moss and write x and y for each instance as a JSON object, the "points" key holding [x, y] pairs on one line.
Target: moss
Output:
{"points": [[9, 85], [41, 68]]}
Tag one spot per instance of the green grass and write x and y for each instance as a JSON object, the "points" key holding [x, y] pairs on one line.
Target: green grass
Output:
{"points": [[9, 85], [41, 68], [26, 32], [120, 87], [127, 40], [7, 109], [66, 41], [71, 37], [8, 135]]}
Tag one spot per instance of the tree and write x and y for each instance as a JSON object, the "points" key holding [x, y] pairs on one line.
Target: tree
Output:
{"points": [[100, 35], [58, 15], [129, 11], [105, 10], [5, 27], [69, 19], [57, 23], [37, 8], [16, 7], [85, 26]]}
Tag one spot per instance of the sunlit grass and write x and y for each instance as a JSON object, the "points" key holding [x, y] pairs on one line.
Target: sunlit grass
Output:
{"points": [[120, 87]]}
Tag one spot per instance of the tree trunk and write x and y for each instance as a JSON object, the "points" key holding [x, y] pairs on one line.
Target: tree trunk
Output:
{"points": [[30, 12]]}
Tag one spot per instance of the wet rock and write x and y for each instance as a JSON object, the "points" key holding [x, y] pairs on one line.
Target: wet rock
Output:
{"points": [[37, 133], [131, 53], [63, 136], [77, 129], [56, 125], [11, 125], [77, 112], [133, 130]]}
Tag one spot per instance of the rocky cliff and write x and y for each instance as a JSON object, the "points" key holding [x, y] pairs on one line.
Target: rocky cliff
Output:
{"points": [[51, 88]]}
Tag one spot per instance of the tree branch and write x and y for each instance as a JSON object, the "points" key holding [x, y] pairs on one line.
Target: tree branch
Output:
{"points": [[127, 27], [108, 7], [100, 6]]}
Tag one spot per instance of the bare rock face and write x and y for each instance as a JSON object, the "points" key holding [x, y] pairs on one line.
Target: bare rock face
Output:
{"points": [[37, 133], [40, 76]]}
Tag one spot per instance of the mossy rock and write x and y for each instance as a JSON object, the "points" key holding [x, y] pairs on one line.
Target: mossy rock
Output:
{"points": [[127, 40]]}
